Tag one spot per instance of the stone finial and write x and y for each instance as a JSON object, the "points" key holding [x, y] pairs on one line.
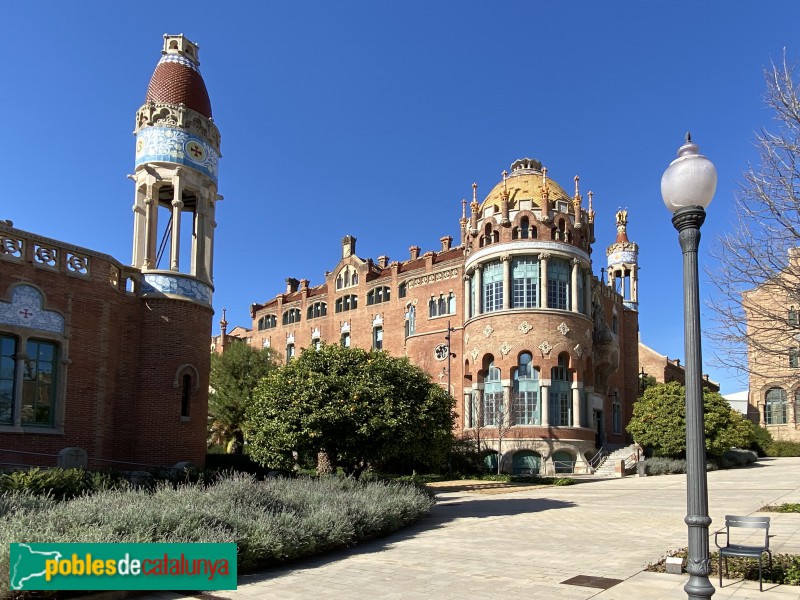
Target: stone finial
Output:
{"points": [[622, 225]]}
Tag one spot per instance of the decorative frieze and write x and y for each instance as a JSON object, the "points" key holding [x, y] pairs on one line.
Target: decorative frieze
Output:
{"points": [[432, 277]]}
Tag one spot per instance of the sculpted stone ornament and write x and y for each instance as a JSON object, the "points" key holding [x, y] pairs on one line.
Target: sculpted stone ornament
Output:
{"points": [[525, 327], [563, 329], [579, 350], [545, 347], [466, 338], [475, 352], [505, 348], [487, 331]]}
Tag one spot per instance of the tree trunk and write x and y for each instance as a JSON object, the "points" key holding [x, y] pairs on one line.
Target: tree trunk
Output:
{"points": [[324, 463]]}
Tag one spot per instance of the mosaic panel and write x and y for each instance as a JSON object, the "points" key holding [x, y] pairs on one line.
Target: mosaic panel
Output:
{"points": [[166, 144], [25, 310]]}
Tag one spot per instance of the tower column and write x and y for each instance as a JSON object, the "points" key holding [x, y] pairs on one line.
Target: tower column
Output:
{"points": [[574, 285], [587, 294], [150, 227], [577, 413], [506, 280], [476, 307], [543, 286], [177, 208], [544, 391], [467, 312]]}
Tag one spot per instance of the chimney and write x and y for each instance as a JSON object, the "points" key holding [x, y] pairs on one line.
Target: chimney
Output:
{"points": [[446, 241], [348, 246], [414, 250], [383, 260], [291, 285]]}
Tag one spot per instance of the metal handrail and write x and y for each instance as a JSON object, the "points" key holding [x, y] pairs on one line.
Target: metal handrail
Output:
{"points": [[598, 458]]}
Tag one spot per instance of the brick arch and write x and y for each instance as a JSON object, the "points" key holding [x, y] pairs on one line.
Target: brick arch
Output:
{"points": [[186, 367]]}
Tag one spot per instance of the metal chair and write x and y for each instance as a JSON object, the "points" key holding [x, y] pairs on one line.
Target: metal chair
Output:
{"points": [[747, 551]]}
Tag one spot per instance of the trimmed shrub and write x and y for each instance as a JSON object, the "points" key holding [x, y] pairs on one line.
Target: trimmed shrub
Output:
{"points": [[783, 448], [271, 521]]}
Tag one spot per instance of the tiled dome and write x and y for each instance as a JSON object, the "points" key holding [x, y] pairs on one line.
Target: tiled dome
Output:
{"points": [[524, 183], [177, 80]]}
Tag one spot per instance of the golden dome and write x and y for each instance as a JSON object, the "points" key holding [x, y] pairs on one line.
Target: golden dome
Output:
{"points": [[525, 182]]}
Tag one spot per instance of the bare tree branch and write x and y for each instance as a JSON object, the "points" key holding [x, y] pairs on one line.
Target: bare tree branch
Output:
{"points": [[757, 268]]}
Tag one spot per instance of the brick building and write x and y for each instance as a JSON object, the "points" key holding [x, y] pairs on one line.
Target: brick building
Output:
{"points": [[106, 364], [771, 312], [664, 369], [533, 334]]}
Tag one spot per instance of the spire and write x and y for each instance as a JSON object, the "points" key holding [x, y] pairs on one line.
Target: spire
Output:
{"points": [[591, 207], [622, 226]]}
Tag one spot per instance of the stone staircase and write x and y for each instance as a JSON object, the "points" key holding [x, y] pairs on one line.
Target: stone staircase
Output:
{"points": [[627, 453]]}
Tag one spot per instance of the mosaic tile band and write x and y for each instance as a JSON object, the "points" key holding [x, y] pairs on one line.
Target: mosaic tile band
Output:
{"points": [[166, 144], [176, 285]]}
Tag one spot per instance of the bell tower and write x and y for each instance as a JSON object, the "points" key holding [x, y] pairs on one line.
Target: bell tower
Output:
{"points": [[623, 264], [177, 157]]}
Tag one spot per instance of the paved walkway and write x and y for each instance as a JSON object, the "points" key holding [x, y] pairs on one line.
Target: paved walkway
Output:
{"points": [[527, 543]]}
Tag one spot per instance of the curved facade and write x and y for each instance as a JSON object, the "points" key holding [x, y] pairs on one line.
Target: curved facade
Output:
{"points": [[539, 353]]}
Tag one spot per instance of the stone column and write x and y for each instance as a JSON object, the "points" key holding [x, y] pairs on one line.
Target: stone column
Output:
{"points": [[177, 208], [506, 280], [587, 294], [468, 408], [508, 405], [761, 419], [577, 413], [477, 407], [476, 306], [467, 299], [150, 228], [544, 393], [791, 411], [543, 281], [574, 285]]}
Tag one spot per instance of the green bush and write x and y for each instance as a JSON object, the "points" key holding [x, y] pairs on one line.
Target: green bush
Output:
{"points": [[271, 521], [783, 448], [61, 484], [762, 440]]}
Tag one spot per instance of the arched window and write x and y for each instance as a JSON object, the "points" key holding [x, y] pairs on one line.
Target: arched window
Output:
{"points": [[267, 322], [289, 352], [347, 277], [318, 309], [186, 394], [442, 305], [793, 318], [524, 228], [526, 392], [377, 338], [345, 303], [563, 462], [39, 379], [560, 401], [401, 290], [291, 316], [775, 409], [558, 284], [492, 397], [525, 282], [526, 462], [493, 286], [377, 295]]}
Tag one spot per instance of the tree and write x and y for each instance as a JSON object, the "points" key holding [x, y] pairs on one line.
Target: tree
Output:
{"points": [[234, 376], [659, 422], [356, 407], [758, 269]]}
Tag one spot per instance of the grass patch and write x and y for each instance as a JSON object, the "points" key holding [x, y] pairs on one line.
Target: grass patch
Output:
{"points": [[781, 508], [271, 521], [785, 567]]}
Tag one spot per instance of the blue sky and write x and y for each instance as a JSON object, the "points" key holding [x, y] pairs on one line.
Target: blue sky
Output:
{"points": [[374, 118]]}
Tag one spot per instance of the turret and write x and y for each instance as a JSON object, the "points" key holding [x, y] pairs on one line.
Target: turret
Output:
{"points": [[623, 263], [177, 156]]}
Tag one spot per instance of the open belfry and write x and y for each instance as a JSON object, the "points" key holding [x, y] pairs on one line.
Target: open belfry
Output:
{"points": [[107, 365], [512, 319]]}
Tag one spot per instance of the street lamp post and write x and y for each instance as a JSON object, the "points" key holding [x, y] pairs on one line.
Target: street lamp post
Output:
{"points": [[687, 187], [450, 355]]}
